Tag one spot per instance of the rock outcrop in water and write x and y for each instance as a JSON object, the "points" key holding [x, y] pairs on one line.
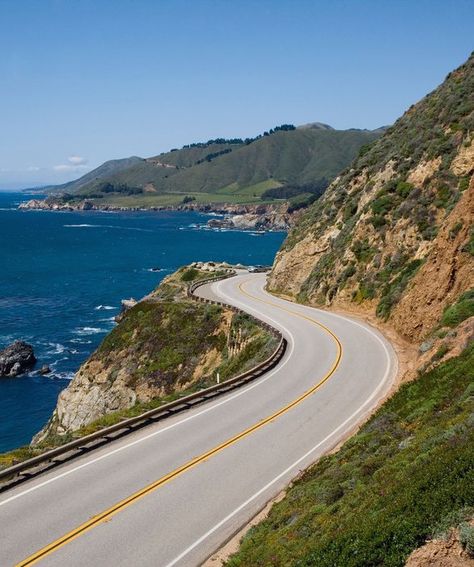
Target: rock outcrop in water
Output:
{"points": [[16, 359]]}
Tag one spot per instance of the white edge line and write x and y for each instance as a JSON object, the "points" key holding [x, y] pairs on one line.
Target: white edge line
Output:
{"points": [[160, 431], [382, 383], [285, 472]]}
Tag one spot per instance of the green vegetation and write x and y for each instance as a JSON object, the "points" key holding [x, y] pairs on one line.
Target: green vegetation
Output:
{"points": [[461, 310], [405, 477], [284, 155], [469, 247], [401, 209], [189, 275], [288, 191], [466, 537], [392, 291], [363, 251], [259, 346], [174, 345]]}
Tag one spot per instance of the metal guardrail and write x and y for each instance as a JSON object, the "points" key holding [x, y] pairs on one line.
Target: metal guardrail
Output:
{"points": [[87, 442]]}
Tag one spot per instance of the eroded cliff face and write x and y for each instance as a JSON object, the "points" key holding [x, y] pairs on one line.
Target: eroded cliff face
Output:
{"points": [[154, 351], [393, 234], [447, 272], [161, 346]]}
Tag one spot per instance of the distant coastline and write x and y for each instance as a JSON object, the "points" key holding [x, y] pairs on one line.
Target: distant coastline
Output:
{"points": [[266, 217]]}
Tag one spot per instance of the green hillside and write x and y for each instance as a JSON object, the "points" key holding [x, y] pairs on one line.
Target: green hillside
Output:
{"points": [[405, 477], [232, 170]]}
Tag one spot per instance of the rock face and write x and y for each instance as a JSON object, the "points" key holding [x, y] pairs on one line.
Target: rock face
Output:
{"points": [[445, 274], [16, 359], [393, 234], [252, 221], [447, 552], [162, 345], [240, 217]]}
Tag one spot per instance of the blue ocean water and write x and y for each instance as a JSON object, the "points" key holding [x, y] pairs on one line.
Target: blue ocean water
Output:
{"points": [[62, 278]]}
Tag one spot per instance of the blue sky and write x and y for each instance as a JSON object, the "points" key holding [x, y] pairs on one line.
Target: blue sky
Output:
{"points": [[83, 81]]}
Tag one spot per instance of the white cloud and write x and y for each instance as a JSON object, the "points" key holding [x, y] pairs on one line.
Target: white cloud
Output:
{"points": [[74, 164], [69, 167], [77, 160]]}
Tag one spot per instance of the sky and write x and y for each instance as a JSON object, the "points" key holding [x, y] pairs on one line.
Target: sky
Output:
{"points": [[84, 81]]}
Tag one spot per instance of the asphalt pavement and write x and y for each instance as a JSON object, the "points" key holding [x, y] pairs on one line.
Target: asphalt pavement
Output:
{"points": [[173, 492]]}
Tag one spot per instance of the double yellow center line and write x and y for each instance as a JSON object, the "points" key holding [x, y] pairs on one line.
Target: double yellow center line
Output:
{"points": [[119, 506]]}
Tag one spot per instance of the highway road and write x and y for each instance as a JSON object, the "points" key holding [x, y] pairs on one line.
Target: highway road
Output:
{"points": [[174, 492]]}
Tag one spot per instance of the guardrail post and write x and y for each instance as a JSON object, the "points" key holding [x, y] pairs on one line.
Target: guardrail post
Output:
{"points": [[129, 424]]}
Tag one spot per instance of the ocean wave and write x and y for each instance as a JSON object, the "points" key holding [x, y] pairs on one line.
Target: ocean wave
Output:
{"points": [[104, 307], [85, 225], [89, 331], [80, 341], [60, 376], [108, 319], [81, 225], [58, 348]]}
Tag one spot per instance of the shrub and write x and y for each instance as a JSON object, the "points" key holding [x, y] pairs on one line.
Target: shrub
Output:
{"points": [[366, 291], [404, 189], [463, 183], [188, 199], [466, 537], [439, 354], [443, 195], [382, 205], [387, 490], [469, 246], [378, 221], [189, 275], [392, 292], [455, 230], [461, 310], [363, 251]]}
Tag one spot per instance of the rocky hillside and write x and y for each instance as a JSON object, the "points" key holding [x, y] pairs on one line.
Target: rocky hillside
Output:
{"points": [[393, 234], [233, 170], [164, 345]]}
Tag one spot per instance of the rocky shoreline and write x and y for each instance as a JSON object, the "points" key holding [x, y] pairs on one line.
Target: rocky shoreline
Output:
{"points": [[255, 217], [16, 359]]}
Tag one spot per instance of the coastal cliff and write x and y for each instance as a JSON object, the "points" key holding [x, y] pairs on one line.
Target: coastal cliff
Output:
{"points": [[278, 216], [164, 345], [392, 240], [392, 236]]}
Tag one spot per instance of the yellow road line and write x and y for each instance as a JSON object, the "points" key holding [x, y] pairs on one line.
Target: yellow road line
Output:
{"points": [[119, 506]]}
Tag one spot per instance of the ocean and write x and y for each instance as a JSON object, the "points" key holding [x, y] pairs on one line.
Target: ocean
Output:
{"points": [[63, 275]]}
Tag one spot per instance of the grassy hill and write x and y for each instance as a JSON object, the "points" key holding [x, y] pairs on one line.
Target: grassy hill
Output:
{"points": [[226, 170]]}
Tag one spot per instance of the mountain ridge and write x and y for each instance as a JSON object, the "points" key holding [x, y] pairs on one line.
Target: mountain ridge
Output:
{"points": [[233, 168]]}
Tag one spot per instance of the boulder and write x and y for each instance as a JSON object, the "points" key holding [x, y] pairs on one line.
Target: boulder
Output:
{"points": [[16, 359]]}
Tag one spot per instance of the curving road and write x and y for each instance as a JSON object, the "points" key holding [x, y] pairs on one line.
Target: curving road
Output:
{"points": [[172, 493]]}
